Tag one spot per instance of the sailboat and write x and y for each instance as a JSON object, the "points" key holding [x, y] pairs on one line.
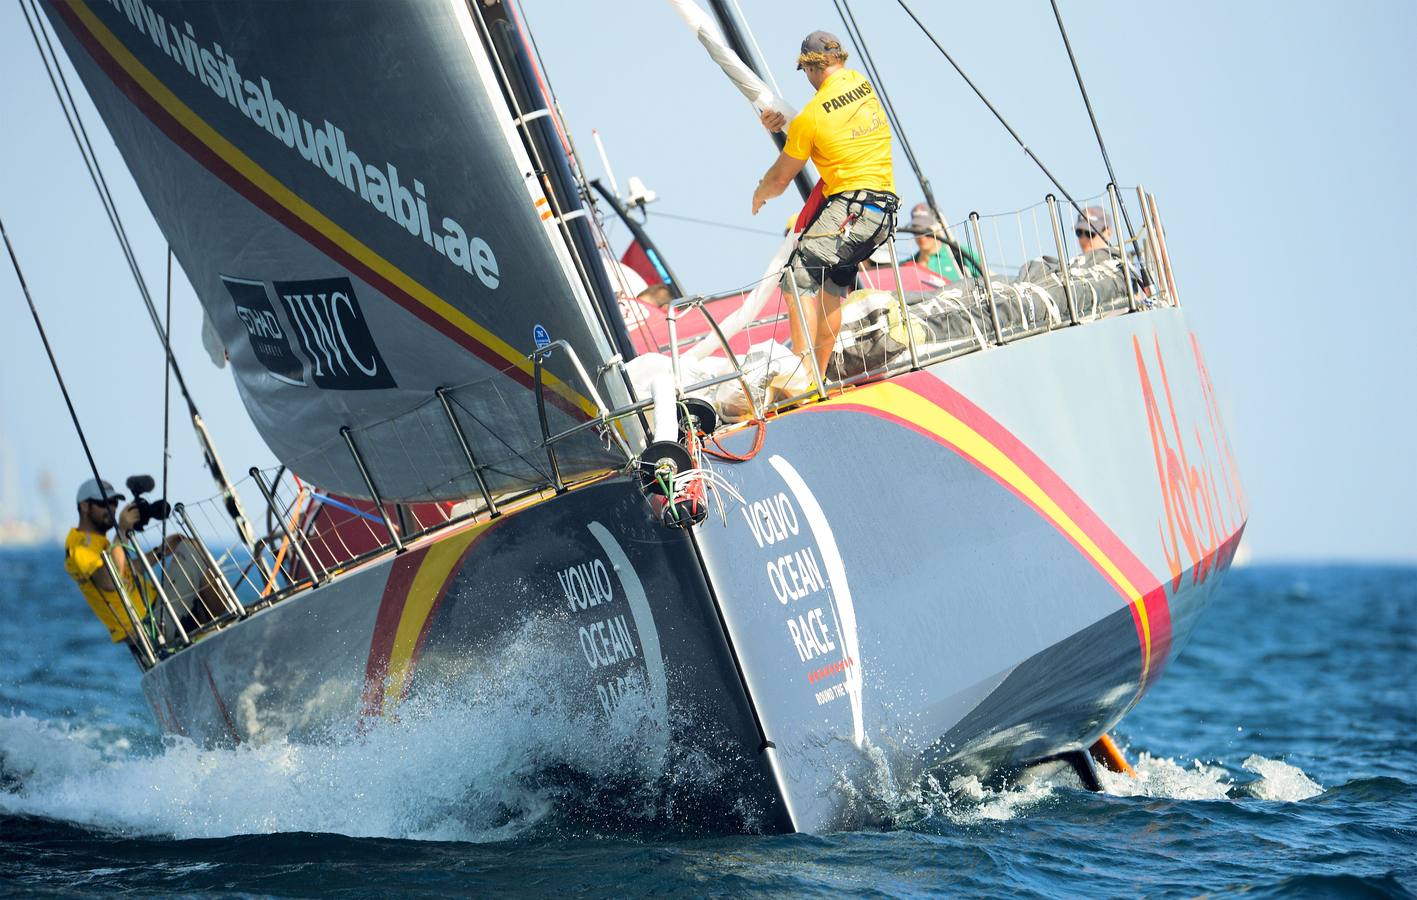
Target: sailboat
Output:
{"points": [[390, 239]]}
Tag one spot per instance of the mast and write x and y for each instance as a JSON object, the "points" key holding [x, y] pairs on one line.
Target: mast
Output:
{"points": [[524, 94], [734, 36]]}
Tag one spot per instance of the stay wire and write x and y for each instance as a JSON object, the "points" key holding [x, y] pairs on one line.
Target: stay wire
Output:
{"points": [[853, 31], [998, 115], [166, 391], [1077, 73], [75, 122], [60, 83], [53, 363]]}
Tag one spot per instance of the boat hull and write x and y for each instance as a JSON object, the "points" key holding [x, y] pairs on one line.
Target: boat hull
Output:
{"points": [[972, 567]]}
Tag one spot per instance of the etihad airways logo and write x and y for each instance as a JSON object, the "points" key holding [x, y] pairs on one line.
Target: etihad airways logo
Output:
{"points": [[324, 317]]}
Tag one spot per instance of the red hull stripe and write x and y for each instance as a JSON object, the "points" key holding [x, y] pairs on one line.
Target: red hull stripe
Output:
{"points": [[1030, 479]]}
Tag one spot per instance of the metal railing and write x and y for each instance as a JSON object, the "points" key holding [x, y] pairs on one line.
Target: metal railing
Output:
{"points": [[312, 536], [1036, 279]]}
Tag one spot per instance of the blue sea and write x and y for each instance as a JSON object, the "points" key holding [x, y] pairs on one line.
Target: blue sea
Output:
{"points": [[1277, 757]]}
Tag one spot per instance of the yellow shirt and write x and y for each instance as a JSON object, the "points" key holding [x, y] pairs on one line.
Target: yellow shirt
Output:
{"points": [[82, 560], [844, 131]]}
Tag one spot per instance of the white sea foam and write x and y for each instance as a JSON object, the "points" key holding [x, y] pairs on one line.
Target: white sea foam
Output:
{"points": [[1279, 781], [475, 764], [966, 800], [1165, 778]]}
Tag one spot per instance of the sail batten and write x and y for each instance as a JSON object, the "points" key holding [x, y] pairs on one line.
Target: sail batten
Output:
{"points": [[360, 233]]}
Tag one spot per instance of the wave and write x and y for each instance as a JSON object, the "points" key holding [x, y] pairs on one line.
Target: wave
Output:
{"points": [[932, 799], [494, 757]]}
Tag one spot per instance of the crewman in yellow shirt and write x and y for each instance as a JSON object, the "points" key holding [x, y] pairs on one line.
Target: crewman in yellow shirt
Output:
{"points": [[844, 132], [83, 548]]}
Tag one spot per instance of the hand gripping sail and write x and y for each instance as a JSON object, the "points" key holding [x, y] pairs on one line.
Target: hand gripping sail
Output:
{"points": [[346, 189]]}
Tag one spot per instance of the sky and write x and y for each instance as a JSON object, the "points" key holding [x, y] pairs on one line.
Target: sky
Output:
{"points": [[1275, 135]]}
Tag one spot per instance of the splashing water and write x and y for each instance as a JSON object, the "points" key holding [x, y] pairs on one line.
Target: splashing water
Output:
{"points": [[484, 760]]}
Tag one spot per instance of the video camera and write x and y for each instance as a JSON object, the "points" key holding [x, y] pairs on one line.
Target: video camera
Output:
{"points": [[159, 509]]}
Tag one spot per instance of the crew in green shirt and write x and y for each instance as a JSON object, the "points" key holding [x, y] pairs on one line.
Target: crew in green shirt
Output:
{"points": [[932, 252]]}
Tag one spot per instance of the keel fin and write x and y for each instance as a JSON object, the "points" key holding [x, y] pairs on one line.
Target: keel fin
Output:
{"points": [[1081, 763]]}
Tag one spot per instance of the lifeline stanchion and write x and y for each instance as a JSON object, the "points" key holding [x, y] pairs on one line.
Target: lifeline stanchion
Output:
{"points": [[140, 637], [161, 594], [317, 575], [1063, 268], [442, 395], [557, 483], [900, 297], [987, 276], [394, 538], [228, 594], [1122, 245]]}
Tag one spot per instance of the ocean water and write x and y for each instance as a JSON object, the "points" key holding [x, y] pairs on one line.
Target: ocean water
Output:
{"points": [[1277, 757]]}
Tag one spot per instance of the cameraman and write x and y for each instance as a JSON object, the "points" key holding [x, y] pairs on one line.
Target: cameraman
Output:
{"points": [[83, 560]]}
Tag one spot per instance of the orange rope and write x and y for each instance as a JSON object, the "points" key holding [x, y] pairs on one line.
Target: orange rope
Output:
{"points": [[714, 448], [285, 542]]}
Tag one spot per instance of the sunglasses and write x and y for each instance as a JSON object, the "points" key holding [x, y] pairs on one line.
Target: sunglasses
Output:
{"points": [[112, 501]]}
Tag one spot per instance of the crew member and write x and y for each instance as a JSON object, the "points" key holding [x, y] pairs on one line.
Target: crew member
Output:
{"points": [[843, 131], [1093, 230], [931, 250], [83, 560]]}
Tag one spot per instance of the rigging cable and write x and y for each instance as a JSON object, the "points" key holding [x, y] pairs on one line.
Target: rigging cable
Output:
{"points": [[81, 138], [980, 94], [53, 363], [853, 31], [661, 214], [767, 69], [55, 72], [166, 391], [1077, 73]]}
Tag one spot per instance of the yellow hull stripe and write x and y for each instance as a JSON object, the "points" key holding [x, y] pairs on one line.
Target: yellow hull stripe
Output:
{"points": [[423, 594], [901, 402]]}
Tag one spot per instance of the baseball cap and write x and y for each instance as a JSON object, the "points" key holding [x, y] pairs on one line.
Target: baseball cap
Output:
{"points": [[90, 490], [1092, 221], [819, 42], [922, 220]]}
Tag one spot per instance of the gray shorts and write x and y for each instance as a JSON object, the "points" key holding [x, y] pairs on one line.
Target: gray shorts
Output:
{"points": [[827, 255]]}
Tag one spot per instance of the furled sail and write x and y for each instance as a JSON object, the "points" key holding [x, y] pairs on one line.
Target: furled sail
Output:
{"points": [[762, 97], [346, 188]]}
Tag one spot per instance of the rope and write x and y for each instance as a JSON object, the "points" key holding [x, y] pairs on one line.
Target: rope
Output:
{"points": [[713, 448], [59, 82], [284, 545], [1077, 73]]}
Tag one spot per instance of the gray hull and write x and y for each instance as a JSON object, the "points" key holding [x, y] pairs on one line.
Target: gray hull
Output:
{"points": [[972, 567]]}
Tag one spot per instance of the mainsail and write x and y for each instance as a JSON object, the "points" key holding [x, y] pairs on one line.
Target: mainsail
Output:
{"points": [[348, 192]]}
